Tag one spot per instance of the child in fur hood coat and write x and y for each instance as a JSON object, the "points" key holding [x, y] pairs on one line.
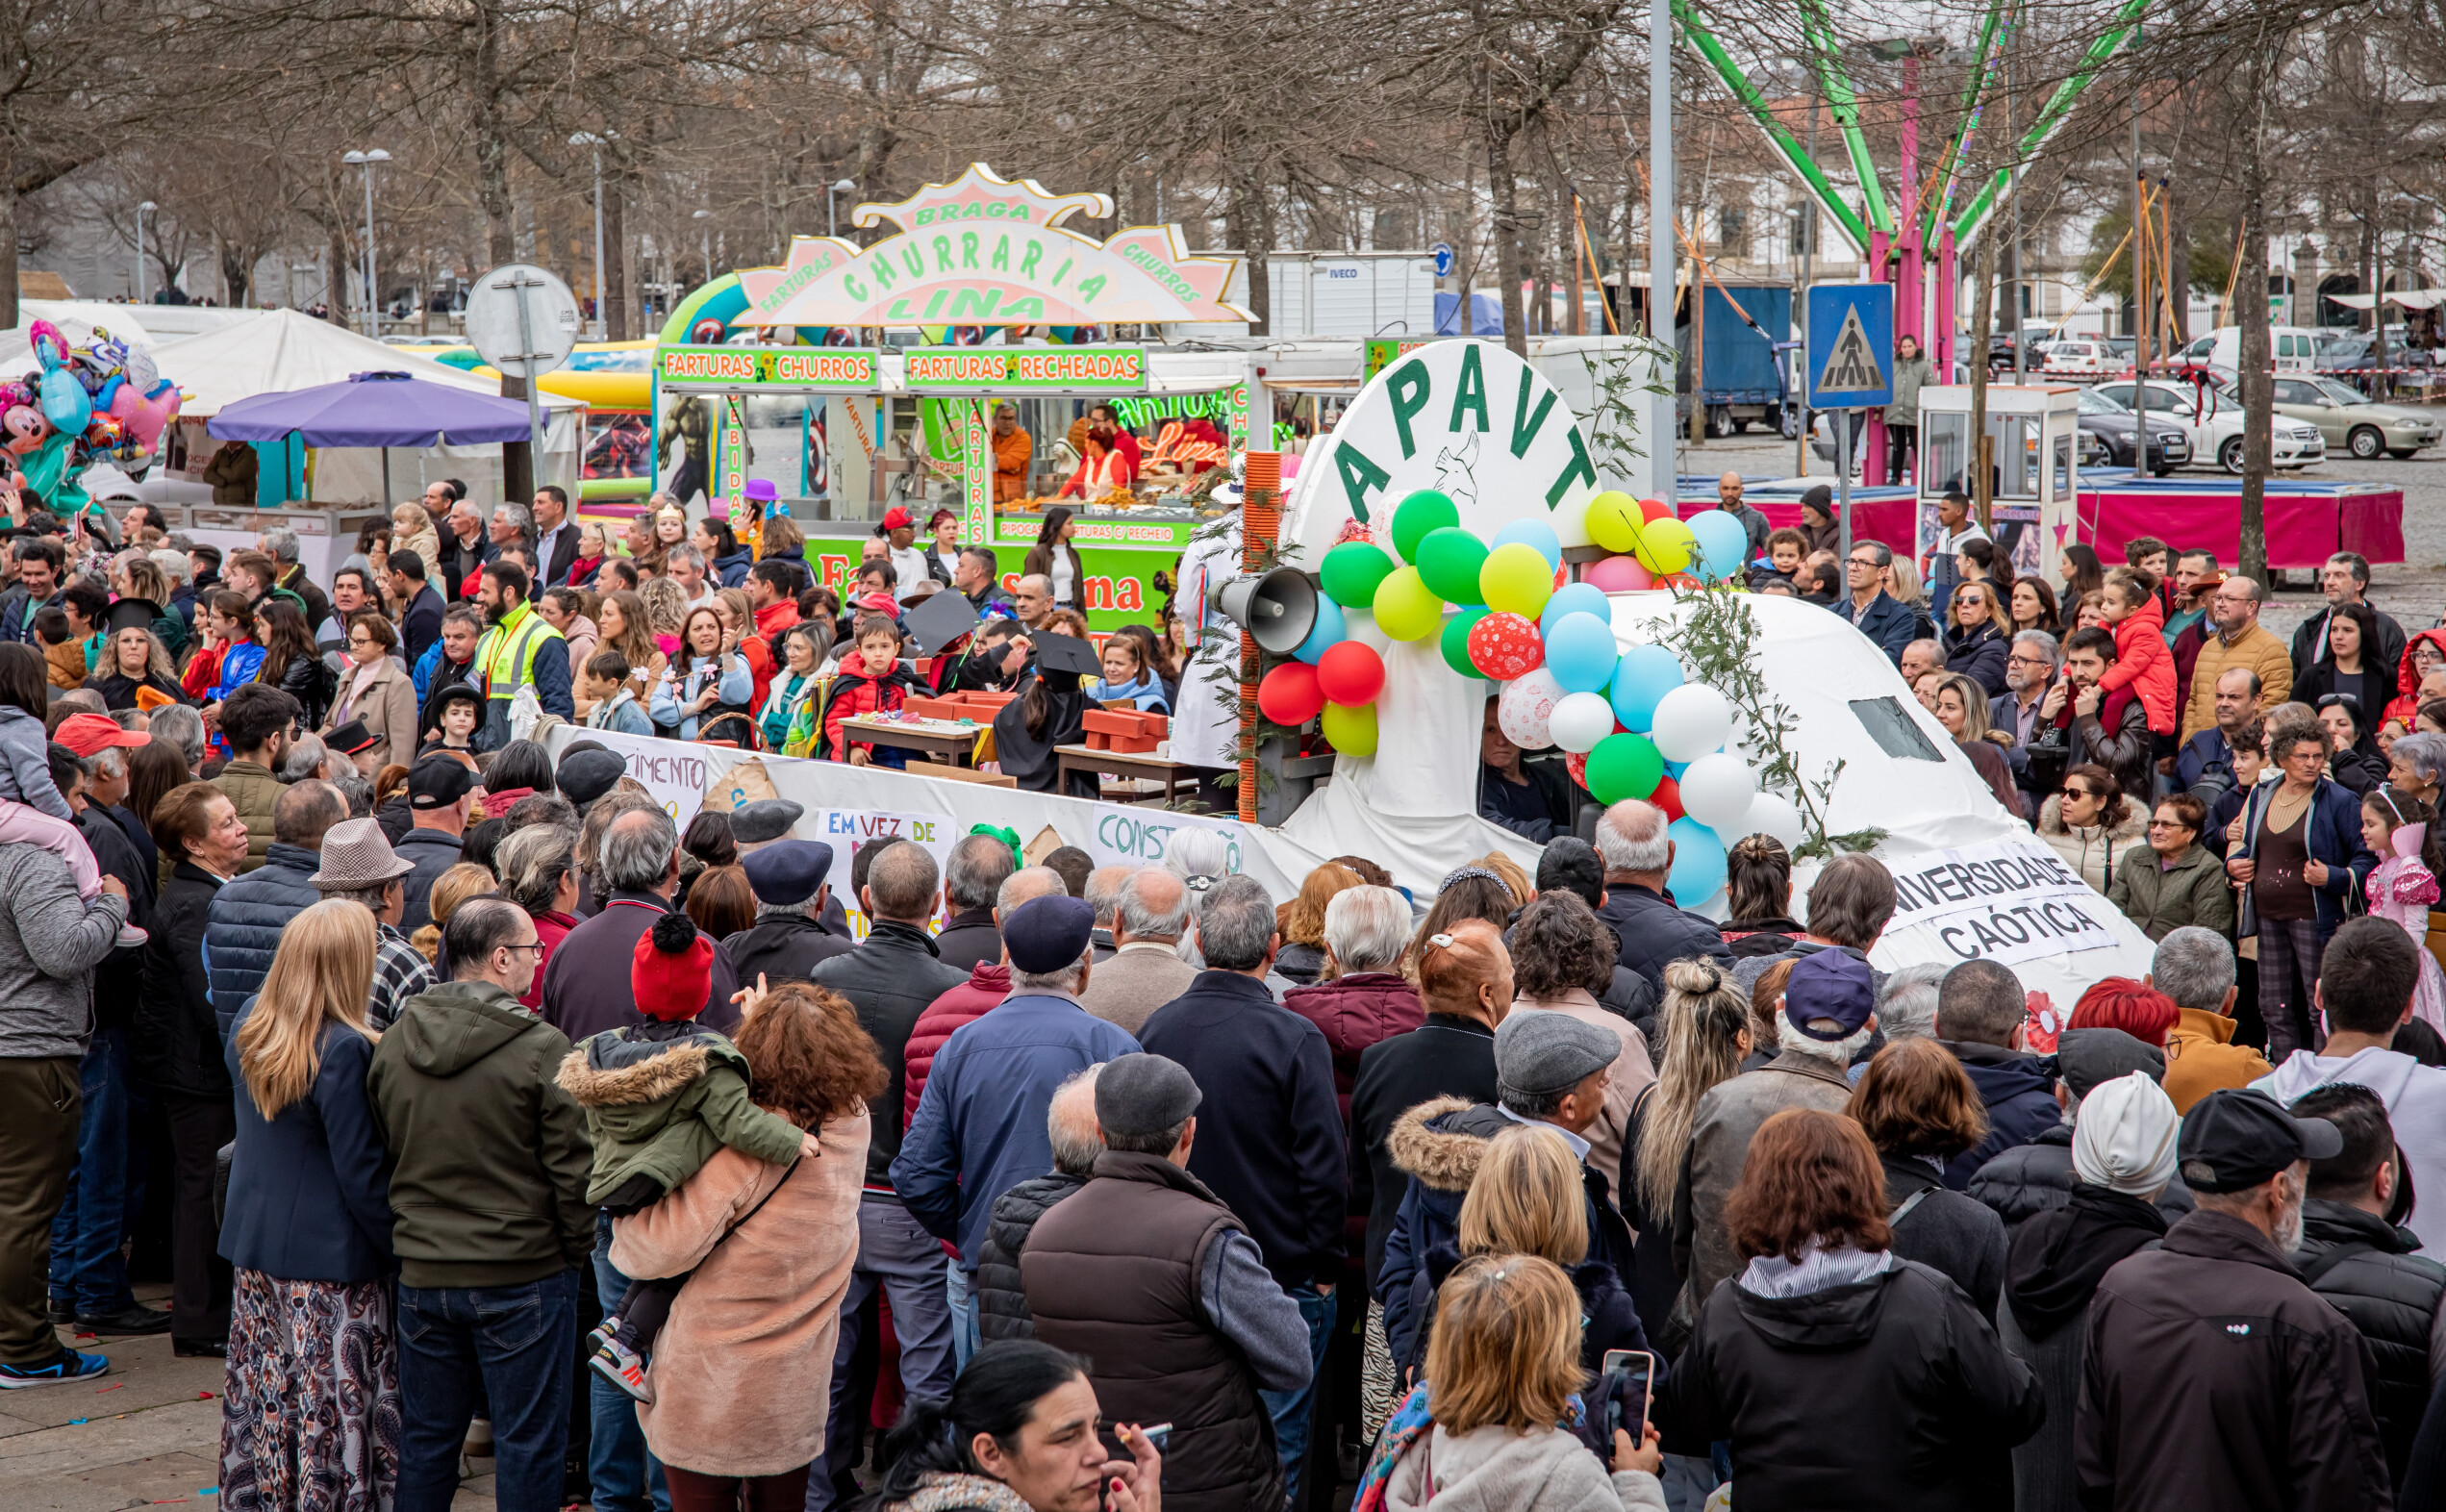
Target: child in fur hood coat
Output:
{"points": [[660, 1097]]}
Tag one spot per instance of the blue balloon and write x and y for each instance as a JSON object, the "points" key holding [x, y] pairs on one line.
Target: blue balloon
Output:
{"points": [[1536, 533], [1723, 545], [1675, 769], [1330, 629], [1574, 598], [1645, 675], [1698, 861], [1580, 653]]}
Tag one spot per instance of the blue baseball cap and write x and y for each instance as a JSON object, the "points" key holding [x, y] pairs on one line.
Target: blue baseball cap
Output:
{"points": [[1831, 984]]}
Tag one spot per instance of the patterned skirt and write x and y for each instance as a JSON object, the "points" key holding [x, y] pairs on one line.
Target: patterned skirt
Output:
{"points": [[310, 1415]]}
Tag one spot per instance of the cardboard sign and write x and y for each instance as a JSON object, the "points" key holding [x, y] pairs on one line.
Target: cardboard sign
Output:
{"points": [[2006, 901]]}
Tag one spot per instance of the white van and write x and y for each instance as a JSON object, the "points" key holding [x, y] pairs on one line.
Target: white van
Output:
{"points": [[2293, 348]]}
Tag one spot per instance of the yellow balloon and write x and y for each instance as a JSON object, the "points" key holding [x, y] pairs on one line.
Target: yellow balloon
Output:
{"points": [[1613, 522], [1516, 577], [1351, 728], [1664, 546], [1406, 608]]}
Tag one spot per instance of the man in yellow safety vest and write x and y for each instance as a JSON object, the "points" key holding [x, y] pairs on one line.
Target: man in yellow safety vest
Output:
{"points": [[520, 654]]}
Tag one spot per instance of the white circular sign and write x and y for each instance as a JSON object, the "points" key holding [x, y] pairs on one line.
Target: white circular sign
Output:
{"points": [[521, 347]]}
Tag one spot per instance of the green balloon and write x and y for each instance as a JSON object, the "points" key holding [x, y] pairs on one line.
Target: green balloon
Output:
{"points": [[1414, 516], [1456, 645], [1623, 766], [1350, 572], [1449, 560]]}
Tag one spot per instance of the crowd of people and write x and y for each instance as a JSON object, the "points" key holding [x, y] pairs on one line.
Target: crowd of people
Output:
{"points": [[475, 1110]]}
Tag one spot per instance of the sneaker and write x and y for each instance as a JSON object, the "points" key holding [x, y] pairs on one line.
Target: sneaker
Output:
{"points": [[72, 1365], [129, 938], [602, 1334], [133, 1319], [623, 1369]]}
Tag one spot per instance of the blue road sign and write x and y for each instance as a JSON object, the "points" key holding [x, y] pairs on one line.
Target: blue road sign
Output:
{"points": [[1443, 251], [1851, 362]]}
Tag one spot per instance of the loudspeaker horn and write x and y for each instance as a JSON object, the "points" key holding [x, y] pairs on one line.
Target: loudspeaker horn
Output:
{"points": [[1277, 608]]}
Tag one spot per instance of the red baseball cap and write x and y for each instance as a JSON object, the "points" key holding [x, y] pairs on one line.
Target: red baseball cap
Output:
{"points": [[87, 733], [898, 519]]}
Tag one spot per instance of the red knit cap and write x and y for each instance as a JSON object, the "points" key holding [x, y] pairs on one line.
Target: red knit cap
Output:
{"points": [[672, 969]]}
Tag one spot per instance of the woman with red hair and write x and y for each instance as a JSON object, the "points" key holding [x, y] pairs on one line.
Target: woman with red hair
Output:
{"points": [[2137, 1009]]}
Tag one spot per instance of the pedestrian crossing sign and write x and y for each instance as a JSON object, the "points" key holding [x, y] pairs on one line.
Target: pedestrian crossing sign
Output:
{"points": [[1851, 346]]}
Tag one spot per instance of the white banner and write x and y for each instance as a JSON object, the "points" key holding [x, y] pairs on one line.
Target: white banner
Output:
{"points": [[2005, 901], [848, 805]]}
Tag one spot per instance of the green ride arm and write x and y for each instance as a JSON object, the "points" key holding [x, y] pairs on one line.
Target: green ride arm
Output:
{"points": [[1779, 137]]}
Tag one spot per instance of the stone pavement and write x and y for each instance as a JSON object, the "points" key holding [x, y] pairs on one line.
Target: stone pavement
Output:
{"points": [[146, 1434]]}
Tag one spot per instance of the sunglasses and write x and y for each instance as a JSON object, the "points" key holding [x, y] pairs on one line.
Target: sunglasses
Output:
{"points": [[2168, 824], [2075, 791]]}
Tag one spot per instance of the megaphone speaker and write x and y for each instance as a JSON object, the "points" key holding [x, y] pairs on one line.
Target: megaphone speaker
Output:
{"points": [[1278, 610]]}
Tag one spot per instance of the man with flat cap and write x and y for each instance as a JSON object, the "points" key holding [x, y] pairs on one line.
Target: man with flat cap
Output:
{"points": [[786, 940], [1549, 1069], [2215, 1378], [1145, 1273], [585, 775], [766, 821], [979, 1127]]}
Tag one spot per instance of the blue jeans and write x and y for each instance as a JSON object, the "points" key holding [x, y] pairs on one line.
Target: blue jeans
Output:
{"points": [[965, 1337], [86, 1268], [518, 1342], [1291, 1409], [616, 1462]]}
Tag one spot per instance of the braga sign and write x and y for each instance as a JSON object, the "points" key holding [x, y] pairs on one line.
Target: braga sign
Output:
{"points": [[2005, 901], [984, 250]]}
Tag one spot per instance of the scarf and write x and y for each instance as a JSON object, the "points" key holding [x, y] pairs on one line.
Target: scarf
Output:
{"points": [[2058, 1258], [356, 685]]}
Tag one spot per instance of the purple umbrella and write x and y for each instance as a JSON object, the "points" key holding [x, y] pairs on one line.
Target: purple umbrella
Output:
{"points": [[380, 409]]}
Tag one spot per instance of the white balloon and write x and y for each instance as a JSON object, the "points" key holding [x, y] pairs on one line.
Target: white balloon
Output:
{"points": [[1569, 521], [1525, 706], [1581, 721], [1718, 789], [1691, 720], [1769, 814]]}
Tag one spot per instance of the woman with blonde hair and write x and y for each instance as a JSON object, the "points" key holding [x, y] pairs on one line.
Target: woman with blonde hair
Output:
{"points": [[1527, 1199], [463, 881], [1960, 705], [1707, 1031], [1302, 922], [309, 1413], [623, 626], [1505, 1363]]}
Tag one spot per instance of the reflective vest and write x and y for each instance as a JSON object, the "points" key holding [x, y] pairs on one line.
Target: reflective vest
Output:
{"points": [[505, 663]]}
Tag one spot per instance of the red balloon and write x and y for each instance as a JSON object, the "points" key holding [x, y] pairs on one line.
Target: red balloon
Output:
{"points": [[1351, 672], [1655, 509], [1505, 645], [1576, 764], [1668, 797], [1289, 694]]}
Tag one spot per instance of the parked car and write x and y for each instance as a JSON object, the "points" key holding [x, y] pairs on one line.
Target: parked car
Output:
{"points": [[2349, 421], [2111, 433], [2291, 349], [2084, 357], [2217, 433]]}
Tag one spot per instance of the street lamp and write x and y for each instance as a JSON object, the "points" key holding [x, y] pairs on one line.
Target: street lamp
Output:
{"points": [[831, 224], [366, 160], [141, 211], [588, 138]]}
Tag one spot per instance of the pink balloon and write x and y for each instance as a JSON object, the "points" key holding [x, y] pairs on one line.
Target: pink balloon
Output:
{"points": [[1619, 576]]}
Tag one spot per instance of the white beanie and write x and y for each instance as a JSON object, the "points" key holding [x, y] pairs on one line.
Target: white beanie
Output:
{"points": [[2124, 1136]]}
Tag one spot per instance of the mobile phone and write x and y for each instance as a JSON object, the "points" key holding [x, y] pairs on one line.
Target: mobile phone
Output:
{"points": [[1637, 1370]]}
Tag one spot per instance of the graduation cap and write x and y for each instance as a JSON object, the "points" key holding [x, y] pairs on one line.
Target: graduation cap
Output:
{"points": [[940, 620], [1056, 653], [130, 614]]}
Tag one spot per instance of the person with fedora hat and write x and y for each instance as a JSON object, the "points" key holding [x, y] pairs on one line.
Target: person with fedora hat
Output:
{"points": [[1145, 1273], [2215, 1379], [359, 865]]}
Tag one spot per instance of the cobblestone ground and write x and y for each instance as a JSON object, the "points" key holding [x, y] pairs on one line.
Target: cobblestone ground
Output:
{"points": [[148, 1433]]}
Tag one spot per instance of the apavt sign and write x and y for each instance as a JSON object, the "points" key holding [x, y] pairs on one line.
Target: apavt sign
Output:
{"points": [[2006, 901], [786, 368]]}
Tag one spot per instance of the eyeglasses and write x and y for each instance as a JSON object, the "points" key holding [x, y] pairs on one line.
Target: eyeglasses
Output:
{"points": [[537, 947], [2168, 824]]}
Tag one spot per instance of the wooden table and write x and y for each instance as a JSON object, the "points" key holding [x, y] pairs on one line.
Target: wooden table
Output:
{"points": [[957, 743], [1149, 766]]}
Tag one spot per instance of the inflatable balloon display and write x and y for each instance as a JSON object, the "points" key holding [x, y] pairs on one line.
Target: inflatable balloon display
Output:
{"points": [[1350, 731], [1624, 767], [1690, 721], [1525, 705], [1580, 651], [1581, 721], [1351, 571], [1417, 517], [1697, 860], [1289, 694], [1456, 642], [1516, 576], [1505, 647], [1645, 675], [1718, 789], [1350, 673], [1406, 608], [82, 404], [1448, 561]]}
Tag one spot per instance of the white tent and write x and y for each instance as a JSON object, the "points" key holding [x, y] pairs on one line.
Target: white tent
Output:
{"points": [[275, 351], [76, 320]]}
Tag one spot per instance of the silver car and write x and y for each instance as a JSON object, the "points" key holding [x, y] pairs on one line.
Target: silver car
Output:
{"points": [[2349, 421]]}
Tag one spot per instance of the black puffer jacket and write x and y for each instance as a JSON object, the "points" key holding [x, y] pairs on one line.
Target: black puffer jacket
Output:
{"points": [[2037, 1177], [999, 1295], [177, 1041], [2365, 1269], [245, 920]]}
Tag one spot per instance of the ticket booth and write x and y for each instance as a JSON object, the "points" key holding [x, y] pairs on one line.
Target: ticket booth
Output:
{"points": [[2033, 431]]}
